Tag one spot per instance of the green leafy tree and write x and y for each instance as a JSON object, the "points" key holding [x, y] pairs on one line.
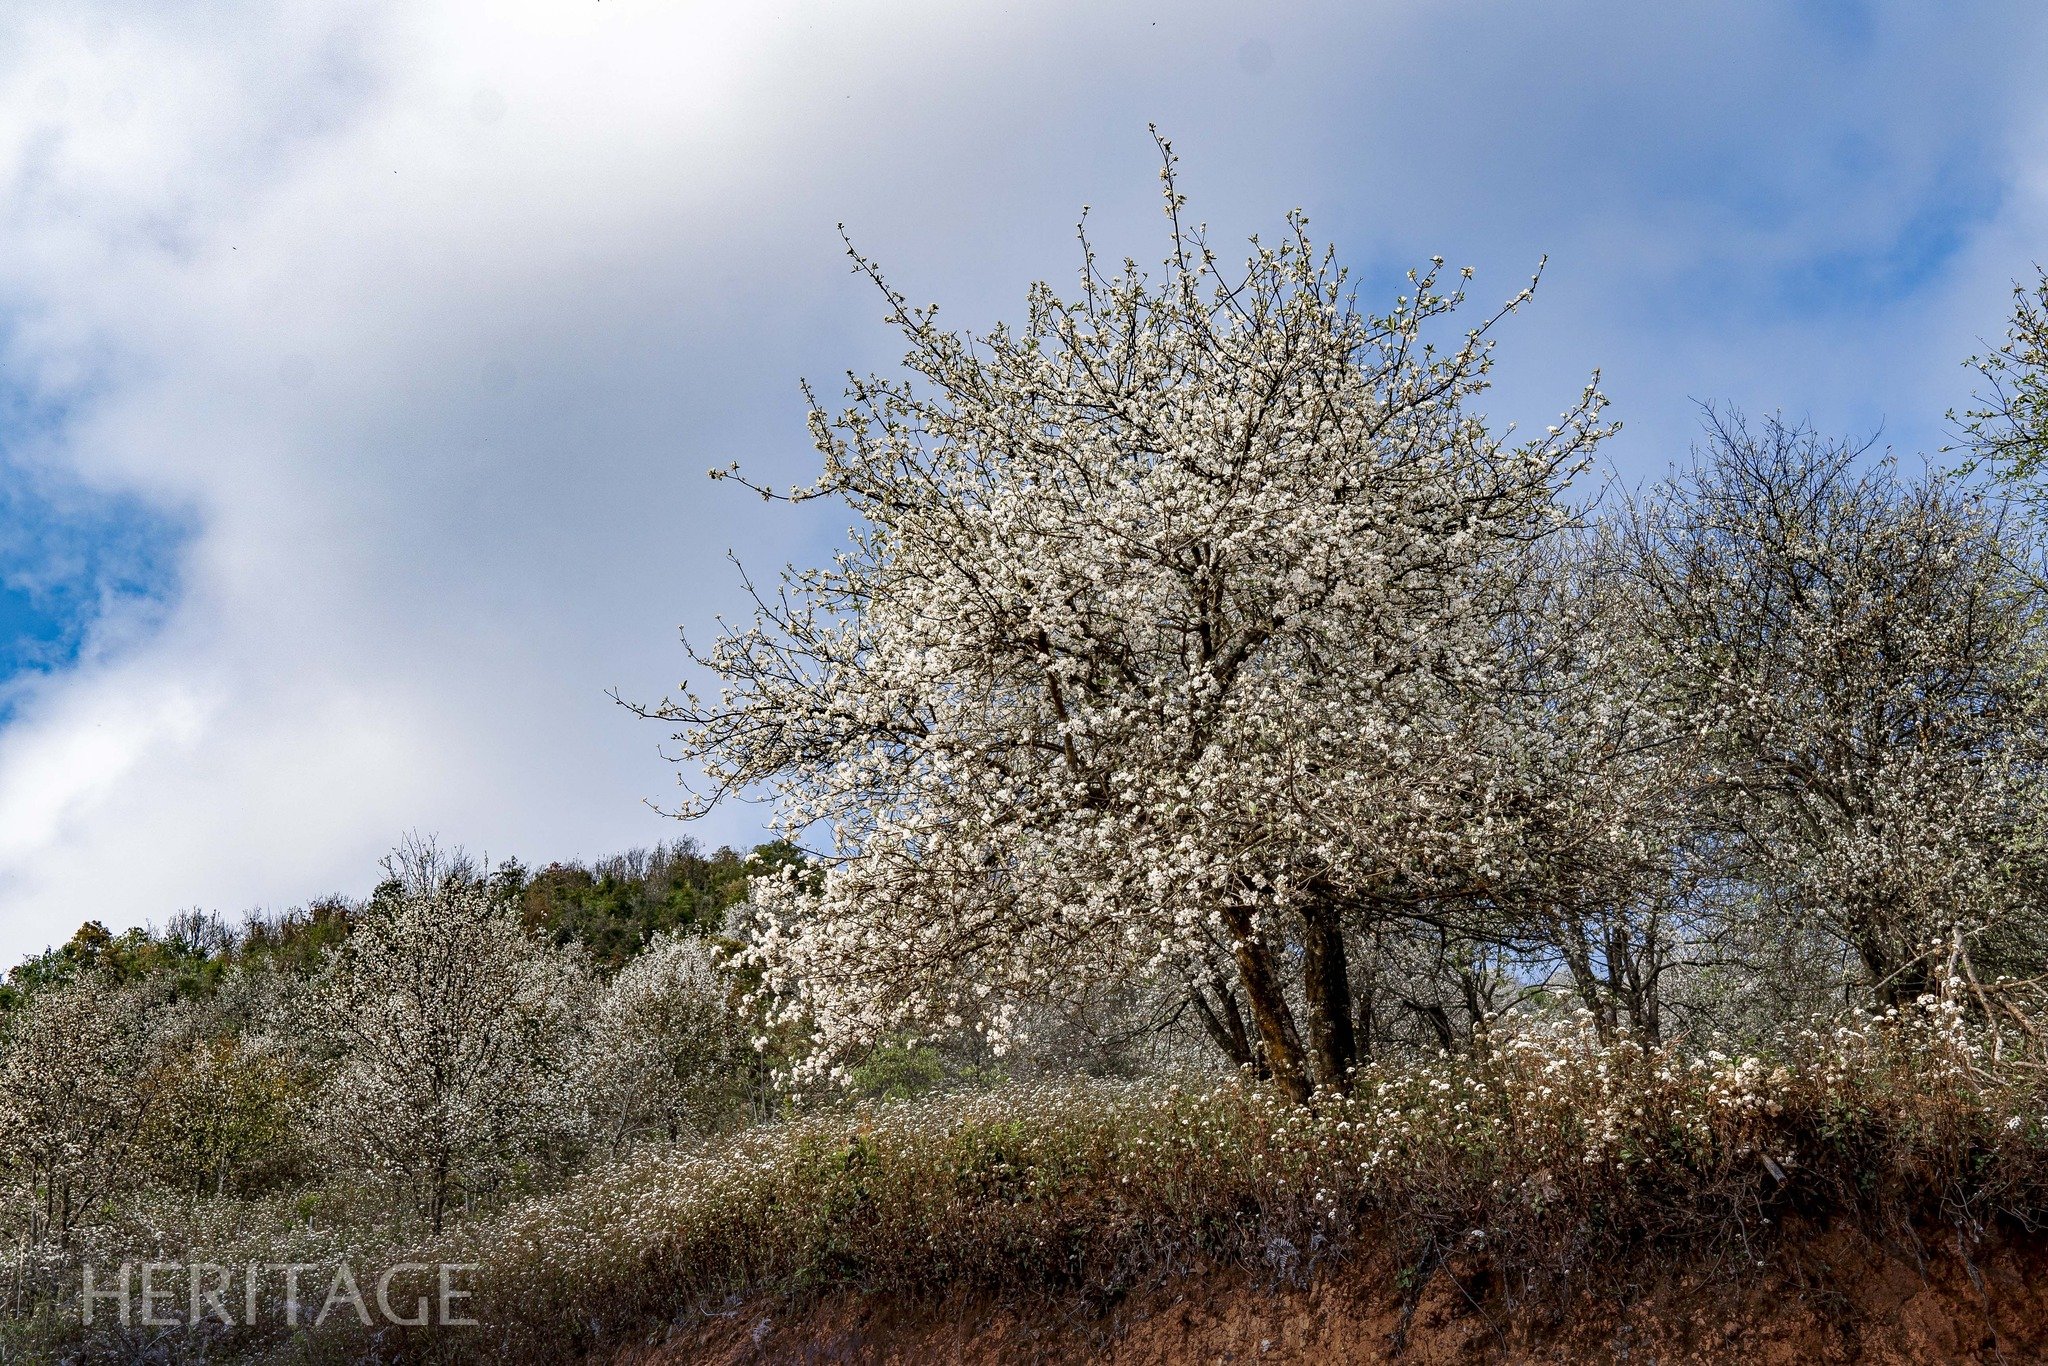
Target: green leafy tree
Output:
{"points": [[224, 1115]]}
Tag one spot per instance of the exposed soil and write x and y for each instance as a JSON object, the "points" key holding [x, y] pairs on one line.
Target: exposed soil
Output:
{"points": [[1837, 1295]]}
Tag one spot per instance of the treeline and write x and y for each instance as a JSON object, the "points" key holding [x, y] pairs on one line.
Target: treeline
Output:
{"points": [[614, 906], [610, 907]]}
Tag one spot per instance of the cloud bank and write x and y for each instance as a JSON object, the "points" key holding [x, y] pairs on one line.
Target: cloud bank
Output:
{"points": [[360, 366]]}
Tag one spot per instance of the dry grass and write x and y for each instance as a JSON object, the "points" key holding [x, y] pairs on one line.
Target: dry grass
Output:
{"points": [[1555, 1153]]}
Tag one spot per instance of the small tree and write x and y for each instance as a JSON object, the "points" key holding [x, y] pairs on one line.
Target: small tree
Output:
{"points": [[449, 1025], [669, 1051], [71, 1100], [1585, 851], [1133, 652], [225, 1113], [1857, 655]]}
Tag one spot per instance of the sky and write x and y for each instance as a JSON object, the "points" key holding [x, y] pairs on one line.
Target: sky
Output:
{"points": [[361, 362]]}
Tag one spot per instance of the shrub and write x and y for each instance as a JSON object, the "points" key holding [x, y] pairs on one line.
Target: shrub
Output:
{"points": [[1545, 1150]]}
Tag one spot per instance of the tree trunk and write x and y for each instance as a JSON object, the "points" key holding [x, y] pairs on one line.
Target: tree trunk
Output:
{"points": [[1278, 1038], [1898, 983], [437, 1193], [1898, 975], [1439, 1021], [1326, 980], [1365, 1013], [1233, 1020]]}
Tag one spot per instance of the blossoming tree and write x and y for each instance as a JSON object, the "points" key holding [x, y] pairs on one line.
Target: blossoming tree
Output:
{"points": [[71, 1099], [1132, 655], [668, 1050], [2007, 432], [1858, 655], [449, 1024]]}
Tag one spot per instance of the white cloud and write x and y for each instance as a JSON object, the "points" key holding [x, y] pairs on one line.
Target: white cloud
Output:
{"points": [[431, 316]]}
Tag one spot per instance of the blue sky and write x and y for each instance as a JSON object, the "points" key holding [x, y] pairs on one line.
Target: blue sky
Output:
{"points": [[73, 560], [360, 363]]}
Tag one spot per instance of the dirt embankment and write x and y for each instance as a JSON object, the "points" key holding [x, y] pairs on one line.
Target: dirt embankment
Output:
{"points": [[1827, 1296]]}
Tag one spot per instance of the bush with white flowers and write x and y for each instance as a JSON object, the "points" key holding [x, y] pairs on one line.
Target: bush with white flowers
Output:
{"points": [[669, 1048], [450, 1026]]}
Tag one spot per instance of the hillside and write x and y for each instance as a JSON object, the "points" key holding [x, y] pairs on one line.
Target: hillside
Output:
{"points": [[1550, 1198]]}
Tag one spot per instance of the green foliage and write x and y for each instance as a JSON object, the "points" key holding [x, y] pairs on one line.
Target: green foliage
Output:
{"points": [[899, 1071], [297, 941], [905, 1068], [132, 956], [192, 956], [223, 1115], [616, 905], [612, 907]]}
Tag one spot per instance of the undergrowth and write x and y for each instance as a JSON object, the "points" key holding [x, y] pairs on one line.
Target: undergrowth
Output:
{"points": [[1555, 1153]]}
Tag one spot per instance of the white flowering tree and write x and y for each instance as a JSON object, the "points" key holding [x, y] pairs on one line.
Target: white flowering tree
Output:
{"points": [[669, 1049], [71, 1099], [1132, 655], [2007, 432], [1858, 655], [449, 1025]]}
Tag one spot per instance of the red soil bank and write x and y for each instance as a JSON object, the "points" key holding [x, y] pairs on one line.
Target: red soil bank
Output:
{"points": [[1827, 1296]]}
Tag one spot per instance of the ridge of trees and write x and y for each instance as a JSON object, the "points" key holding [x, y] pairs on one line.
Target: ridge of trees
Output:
{"points": [[611, 906]]}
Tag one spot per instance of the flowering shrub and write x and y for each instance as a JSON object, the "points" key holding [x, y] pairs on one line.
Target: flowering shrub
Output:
{"points": [[667, 1049], [1544, 1149]]}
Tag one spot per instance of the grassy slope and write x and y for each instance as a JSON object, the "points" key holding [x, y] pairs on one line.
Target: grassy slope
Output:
{"points": [[1549, 1161]]}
